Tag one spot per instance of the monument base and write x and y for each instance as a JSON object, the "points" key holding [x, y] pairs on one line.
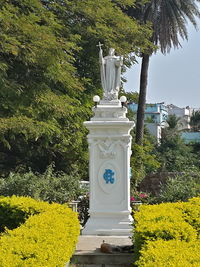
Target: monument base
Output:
{"points": [[110, 150], [109, 225]]}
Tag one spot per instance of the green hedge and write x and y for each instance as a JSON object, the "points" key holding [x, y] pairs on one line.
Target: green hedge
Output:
{"points": [[160, 230], [46, 234]]}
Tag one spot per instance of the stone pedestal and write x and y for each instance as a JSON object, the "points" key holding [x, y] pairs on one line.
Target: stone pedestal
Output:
{"points": [[110, 150]]}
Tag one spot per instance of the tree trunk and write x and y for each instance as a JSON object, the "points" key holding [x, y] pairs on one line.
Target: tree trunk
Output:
{"points": [[142, 99]]}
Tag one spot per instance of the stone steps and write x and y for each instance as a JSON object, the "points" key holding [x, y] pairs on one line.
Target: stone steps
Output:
{"points": [[88, 252], [98, 259]]}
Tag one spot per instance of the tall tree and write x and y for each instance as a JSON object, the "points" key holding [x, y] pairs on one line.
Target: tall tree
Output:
{"points": [[169, 19], [49, 68]]}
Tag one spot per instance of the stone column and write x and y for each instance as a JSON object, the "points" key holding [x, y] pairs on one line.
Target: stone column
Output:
{"points": [[110, 150]]}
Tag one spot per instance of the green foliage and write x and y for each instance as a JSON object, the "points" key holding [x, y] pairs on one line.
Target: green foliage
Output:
{"points": [[47, 238], [173, 122], [10, 218], [168, 19], [53, 132], [49, 186], [180, 188], [132, 97], [195, 120], [174, 154], [49, 69], [143, 160], [34, 53], [149, 119], [83, 209], [38, 117], [103, 21]]}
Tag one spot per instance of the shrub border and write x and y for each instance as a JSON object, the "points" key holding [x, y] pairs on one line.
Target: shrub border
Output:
{"points": [[47, 238]]}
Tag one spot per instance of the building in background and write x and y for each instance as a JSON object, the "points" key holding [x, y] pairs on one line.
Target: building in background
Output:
{"points": [[191, 137], [155, 117], [183, 113]]}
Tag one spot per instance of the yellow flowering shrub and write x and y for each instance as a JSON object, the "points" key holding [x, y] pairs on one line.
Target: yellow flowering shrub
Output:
{"points": [[191, 213], [163, 221], [47, 237], [168, 234], [173, 253]]}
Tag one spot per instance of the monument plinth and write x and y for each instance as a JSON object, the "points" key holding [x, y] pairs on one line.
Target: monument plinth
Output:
{"points": [[110, 150]]}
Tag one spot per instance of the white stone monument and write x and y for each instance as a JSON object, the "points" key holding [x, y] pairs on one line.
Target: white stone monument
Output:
{"points": [[110, 150]]}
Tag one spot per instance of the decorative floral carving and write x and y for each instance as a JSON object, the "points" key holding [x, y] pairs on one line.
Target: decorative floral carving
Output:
{"points": [[107, 149], [115, 113], [126, 140]]}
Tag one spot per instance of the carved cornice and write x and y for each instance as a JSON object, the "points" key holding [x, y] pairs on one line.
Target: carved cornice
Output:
{"points": [[107, 146]]}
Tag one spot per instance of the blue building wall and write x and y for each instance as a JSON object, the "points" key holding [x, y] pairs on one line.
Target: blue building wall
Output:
{"points": [[158, 112], [191, 137]]}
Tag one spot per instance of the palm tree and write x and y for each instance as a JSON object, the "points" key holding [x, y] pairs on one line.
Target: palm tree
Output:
{"points": [[173, 122], [195, 121], [169, 20], [172, 129]]}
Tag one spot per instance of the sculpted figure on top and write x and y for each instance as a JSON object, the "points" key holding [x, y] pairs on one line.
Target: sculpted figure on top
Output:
{"points": [[110, 67]]}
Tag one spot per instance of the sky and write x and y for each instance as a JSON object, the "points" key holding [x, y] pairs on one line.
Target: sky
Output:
{"points": [[173, 78]]}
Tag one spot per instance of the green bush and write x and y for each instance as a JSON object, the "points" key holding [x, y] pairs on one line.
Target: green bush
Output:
{"points": [[173, 154], [143, 161], [46, 238], [180, 188], [49, 186], [83, 209]]}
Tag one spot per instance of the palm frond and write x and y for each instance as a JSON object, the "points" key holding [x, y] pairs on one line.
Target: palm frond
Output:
{"points": [[169, 19]]}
